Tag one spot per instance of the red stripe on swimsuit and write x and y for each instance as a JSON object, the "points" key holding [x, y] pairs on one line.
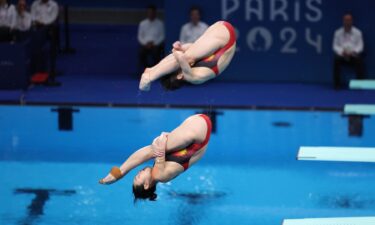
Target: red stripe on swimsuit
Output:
{"points": [[183, 156], [212, 60]]}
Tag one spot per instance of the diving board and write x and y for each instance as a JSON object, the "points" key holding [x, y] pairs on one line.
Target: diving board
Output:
{"points": [[332, 221], [359, 109], [362, 84], [346, 154]]}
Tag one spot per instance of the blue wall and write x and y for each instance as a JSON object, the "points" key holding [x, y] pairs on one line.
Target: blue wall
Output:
{"points": [[102, 50], [299, 39]]}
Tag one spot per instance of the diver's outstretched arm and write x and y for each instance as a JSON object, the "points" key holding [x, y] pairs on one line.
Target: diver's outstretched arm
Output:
{"points": [[137, 158]]}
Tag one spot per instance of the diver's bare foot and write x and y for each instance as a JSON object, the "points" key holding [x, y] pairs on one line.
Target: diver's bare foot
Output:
{"points": [[145, 83]]}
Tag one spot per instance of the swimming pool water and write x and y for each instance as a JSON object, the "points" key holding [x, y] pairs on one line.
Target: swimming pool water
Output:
{"points": [[204, 195], [248, 176]]}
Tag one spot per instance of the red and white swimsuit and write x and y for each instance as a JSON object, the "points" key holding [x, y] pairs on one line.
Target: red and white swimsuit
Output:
{"points": [[212, 60], [183, 156]]}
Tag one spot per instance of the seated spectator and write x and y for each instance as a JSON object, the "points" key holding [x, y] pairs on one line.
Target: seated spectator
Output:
{"points": [[191, 31], [22, 22], [348, 47], [151, 38], [7, 17]]}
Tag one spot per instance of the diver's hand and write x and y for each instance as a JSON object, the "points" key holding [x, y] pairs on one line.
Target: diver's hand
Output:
{"points": [[177, 46], [109, 179], [114, 175], [145, 83], [159, 145], [179, 56]]}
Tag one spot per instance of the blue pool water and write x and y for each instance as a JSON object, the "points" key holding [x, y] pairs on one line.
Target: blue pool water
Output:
{"points": [[248, 176]]}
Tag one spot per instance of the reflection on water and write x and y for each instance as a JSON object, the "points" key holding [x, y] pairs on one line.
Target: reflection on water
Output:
{"points": [[36, 207], [348, 201], [193, 206]]}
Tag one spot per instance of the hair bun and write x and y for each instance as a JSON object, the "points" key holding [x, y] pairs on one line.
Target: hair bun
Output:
{"points": [[153, 197]]}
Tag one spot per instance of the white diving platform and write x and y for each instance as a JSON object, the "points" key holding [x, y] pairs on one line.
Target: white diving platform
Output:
{"points": [[332, 221], [345, 154], [359, 109], [362, 84]]}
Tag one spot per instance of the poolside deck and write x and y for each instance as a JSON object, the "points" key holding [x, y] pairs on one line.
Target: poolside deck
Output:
{"points": [[123, 92]]}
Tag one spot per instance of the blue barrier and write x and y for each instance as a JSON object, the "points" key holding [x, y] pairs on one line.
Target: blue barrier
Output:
{"points": [[14, 65], [280, 40]]}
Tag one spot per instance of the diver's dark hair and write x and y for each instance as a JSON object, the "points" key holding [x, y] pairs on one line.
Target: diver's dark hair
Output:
{"points": [[140, 192], [170, 82]]}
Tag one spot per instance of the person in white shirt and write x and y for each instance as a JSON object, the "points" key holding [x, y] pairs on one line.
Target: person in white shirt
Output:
{"points": [[22, 23], [348, 47], [44, 12], [191, 31], [23, 17], [151, 39], [7, 19]]}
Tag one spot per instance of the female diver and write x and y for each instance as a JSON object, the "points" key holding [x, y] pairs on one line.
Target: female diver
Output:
{"points": [[196, 62], [173, 152]]}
